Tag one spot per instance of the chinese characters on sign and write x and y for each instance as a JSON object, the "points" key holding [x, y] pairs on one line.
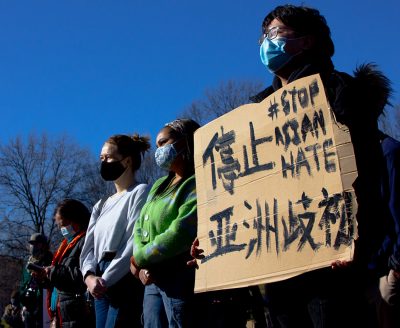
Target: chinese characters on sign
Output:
{"points": [[271, 201]]}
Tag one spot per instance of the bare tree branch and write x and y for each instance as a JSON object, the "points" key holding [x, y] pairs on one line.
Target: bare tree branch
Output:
{"points": [[34, 176], [221, 100]]}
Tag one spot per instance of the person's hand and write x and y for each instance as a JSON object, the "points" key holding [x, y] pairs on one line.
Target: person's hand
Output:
{"points": [[396, 274], [39, 275], [196, 253], [145, 277], [341, 264], [389, 286], [134, 268], [47, 270], [96, 286]]}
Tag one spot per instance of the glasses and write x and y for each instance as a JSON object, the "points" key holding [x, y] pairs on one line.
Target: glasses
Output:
{"points": [[272, 33]]}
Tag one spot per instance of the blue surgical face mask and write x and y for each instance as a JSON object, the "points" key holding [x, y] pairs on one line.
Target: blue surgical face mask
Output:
{"points": [[165, 155], [273, 55], [68, 232]]}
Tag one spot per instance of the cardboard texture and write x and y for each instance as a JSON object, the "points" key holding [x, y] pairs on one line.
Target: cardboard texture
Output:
{"points": [[274, 189]]}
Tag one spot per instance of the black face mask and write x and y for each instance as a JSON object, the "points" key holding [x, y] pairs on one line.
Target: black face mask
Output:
{"points": [[111, 171]]}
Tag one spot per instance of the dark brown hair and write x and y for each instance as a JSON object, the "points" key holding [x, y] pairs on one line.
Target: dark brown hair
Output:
{"points": [[131, 146], [182, 128], [73, 210]]}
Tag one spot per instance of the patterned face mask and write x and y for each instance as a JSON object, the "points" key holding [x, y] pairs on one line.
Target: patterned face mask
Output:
{"points": [[165, 156]]}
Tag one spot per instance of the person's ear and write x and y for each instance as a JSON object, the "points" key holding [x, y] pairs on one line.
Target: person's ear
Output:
{"points": [[75, 226], [128, 161]]}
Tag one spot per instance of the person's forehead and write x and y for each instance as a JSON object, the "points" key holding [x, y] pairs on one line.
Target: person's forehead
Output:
{"points": [[275, 22], [61, 220], [58, 217], [165, 132], [109, 149]]}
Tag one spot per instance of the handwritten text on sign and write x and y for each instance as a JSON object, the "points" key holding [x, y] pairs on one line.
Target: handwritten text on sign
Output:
{"points": [[270, 197]]}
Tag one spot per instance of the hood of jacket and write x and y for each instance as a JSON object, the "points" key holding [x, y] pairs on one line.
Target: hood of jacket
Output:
{"points": [[348, 95]]}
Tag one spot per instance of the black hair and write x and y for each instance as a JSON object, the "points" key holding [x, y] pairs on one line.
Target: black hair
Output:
{"points": [[182, 128], [185, 128], [74, 211], [131, 146], [304, 21]]}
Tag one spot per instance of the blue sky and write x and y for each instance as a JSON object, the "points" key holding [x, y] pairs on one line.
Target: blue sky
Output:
{"points": [[91, 69]]}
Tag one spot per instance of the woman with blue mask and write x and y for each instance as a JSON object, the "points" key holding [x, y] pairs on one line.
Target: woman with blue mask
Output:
{"points": [[66, 301], [165, 230]]}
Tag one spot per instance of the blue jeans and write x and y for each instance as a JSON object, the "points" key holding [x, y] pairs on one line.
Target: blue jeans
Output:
{"points": [[162, 310], [106, 314], [122, 305]]}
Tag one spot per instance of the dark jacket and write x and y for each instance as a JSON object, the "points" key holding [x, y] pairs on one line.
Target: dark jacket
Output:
{"points": [[389, 254], [67, 278], [31, 291], [357, 103]]}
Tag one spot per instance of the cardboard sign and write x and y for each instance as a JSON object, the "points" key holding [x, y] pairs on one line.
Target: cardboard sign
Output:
{"points": [[274, 189]]}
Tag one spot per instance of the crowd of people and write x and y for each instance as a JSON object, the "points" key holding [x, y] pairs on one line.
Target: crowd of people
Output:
{"points": [[131, 262]]}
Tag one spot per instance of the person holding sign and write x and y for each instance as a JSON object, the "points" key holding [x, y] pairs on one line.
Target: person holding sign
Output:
{"points": [[296, 43], [165, 230]]}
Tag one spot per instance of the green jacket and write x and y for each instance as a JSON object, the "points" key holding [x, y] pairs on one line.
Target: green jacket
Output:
{"points": [[167, 224]]}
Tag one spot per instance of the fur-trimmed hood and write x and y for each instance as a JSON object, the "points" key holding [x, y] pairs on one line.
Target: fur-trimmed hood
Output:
{"points": [[366, 93], [373, 85]]}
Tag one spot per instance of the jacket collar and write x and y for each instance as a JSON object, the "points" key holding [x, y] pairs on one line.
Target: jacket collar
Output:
{"points": [[322, 67]]}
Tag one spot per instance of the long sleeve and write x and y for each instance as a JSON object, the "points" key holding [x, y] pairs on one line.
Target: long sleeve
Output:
{"points": [[119, 266], [67, 276], [88, 261], [393, 166], [111, 232], [159, 237]]}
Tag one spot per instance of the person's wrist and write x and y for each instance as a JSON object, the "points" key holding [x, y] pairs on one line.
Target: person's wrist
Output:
{"points": [[88, 274], [133, 262], [396, 274]]}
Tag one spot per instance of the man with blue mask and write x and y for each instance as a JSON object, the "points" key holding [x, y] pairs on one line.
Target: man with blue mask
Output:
{"points": [[279, 45], [295, 43]]}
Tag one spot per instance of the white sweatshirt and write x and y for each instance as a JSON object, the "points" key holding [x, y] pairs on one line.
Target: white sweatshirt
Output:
{"points": [[112, 231]]}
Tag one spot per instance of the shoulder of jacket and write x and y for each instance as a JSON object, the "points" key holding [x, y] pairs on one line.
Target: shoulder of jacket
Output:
{"points": [[191, 181], [368, 86], [259, 97]]}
